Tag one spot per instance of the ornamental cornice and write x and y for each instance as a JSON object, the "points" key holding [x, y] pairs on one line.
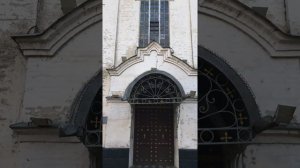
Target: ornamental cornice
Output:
{"points": [[64, 29], [166, 53]]}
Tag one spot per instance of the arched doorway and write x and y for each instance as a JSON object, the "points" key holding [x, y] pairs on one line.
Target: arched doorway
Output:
{"points": [[226, 112], [154, 98]]}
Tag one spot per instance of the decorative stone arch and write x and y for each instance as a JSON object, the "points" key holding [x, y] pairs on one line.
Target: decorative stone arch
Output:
{"points": [[129, 89], [166, 53], [63, 30], [277, 43], [217, 138]]}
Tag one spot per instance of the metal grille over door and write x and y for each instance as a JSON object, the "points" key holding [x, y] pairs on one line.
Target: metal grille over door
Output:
{"points": [[155, 89], [154, 135]]}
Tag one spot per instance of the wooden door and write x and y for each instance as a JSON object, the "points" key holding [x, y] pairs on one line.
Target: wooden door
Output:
{"points": [[154, 135]]}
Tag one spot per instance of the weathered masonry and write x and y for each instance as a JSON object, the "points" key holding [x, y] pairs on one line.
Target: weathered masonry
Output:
{"points": [[137, 83]]}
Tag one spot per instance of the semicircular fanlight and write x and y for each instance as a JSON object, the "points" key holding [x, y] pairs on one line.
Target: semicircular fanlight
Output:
{"points": [[155, 89]]}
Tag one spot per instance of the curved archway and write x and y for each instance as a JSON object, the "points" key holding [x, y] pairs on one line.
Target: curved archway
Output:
{"points": [[154, 97], [227, 111]]}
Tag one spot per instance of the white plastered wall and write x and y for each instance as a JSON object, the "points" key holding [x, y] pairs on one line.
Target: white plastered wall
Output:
{"points": [[117, 130]]}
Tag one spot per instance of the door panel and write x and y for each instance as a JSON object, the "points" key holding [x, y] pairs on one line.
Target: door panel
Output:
{"points": [[154, 135]]}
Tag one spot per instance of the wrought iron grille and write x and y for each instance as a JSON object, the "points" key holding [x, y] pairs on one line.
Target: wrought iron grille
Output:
{"points": [[222, 115], [93, 130], [155, 89]]}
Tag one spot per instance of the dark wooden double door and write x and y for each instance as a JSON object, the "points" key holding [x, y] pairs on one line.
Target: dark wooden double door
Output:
{"points": [[154, 136]]}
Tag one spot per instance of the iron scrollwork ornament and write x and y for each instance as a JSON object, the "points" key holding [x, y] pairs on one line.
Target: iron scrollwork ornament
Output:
{"points": [[222, 115], [155, 89]]}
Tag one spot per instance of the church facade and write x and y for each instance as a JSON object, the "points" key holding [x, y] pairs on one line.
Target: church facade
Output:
{"points": [[149, 83]]}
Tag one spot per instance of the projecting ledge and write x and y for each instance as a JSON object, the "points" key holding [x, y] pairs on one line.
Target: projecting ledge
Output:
{"points": [[39, 131]]}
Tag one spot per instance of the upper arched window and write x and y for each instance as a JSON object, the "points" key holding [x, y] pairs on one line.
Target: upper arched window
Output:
{"points": [[154, 22]]}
